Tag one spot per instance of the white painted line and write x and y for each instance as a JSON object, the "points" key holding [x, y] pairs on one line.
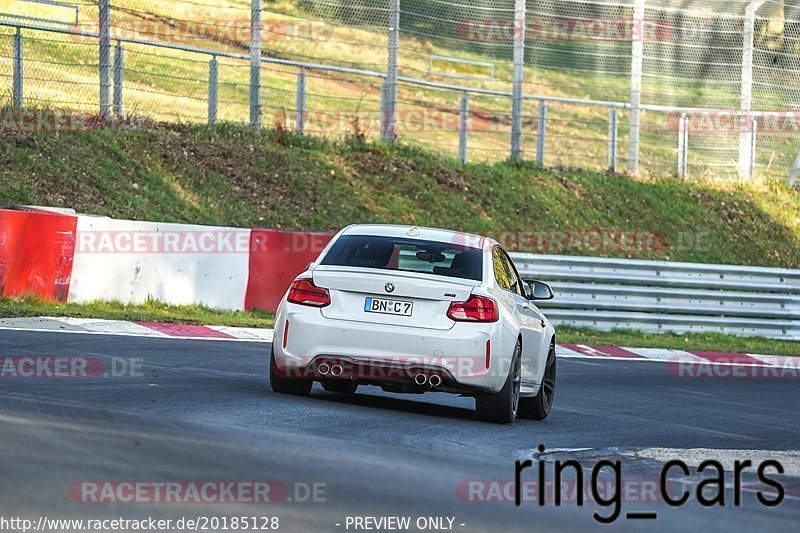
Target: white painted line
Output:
{"points": [[563, 351], [663, 354], [597, 358], [109, 326], [790, 459], [256, 334], [777, 360]]}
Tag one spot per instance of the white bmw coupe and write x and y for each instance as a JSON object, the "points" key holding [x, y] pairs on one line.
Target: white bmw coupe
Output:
{"points": [[414, 310]]}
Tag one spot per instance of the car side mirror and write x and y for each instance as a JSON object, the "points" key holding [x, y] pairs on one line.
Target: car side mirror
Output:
{"points": [[540, 291]]}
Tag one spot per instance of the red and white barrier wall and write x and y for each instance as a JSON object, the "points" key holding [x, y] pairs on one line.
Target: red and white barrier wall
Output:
{"points": [[80, 258], [275, 259], [36, 254]]}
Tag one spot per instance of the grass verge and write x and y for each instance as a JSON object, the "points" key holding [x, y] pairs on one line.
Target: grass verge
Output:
{"points": [[231, 176], [710, 342], [150, 311]]}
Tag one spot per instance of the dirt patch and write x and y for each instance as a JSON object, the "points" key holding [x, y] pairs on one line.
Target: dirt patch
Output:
{"points": [[572, 185]]}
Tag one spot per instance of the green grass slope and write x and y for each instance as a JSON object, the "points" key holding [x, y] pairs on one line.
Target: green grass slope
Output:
{"points": [[231, 176]]}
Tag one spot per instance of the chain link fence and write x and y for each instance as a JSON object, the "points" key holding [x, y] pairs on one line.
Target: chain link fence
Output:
{"points": [[706, 87]]}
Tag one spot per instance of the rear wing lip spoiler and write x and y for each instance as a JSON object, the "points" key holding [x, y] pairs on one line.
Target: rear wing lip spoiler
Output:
{"points": [[398, 273]]}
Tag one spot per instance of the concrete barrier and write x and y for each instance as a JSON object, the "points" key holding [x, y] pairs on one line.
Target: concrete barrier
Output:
{"points": [[36, 254], [276, 258], [83, 258], [131, 261]]}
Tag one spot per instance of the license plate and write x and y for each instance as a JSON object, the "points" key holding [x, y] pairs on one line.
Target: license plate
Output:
{"points": [[388, 307]]}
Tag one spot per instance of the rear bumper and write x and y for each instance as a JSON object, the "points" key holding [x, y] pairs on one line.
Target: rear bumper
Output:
{"points": [[375, 354], [375, 371]]}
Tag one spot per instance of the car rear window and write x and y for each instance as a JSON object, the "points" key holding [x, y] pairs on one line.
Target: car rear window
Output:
{"points": [[407, 255]]}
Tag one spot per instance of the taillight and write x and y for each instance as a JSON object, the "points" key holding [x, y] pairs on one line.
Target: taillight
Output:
{"points": [[304, 292], [475, 309]]}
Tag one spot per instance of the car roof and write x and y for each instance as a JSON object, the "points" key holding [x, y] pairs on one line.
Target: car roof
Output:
{"points": [[422, 233]]}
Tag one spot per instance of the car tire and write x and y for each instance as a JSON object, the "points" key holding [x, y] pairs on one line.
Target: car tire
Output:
{"points": [[501, 407], [285, 385], [538, 407], [342, 386]]}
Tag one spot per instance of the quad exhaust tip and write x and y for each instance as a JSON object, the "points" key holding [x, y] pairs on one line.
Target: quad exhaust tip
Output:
{"points": [[336, 370], [421, 379], [324, 369]]}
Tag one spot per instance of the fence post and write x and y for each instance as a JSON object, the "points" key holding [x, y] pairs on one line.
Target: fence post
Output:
{"points": [[119, 76], [518, 79], [753, 130], [683, 145], [213, 90], [18, 72], [300, 117], [389, 89], [637, 57], [541, 133], [795, 172], [104, 62], [745, 142], [463, 128], [612, 139], [255, 64]]}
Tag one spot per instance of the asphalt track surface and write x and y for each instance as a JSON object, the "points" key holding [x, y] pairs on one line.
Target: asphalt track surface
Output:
{"points": [[203, 410]]}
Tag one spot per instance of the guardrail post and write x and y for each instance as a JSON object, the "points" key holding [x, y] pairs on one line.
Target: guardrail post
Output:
{"points": [[213, 90], [518, 75], [104, 8], [541, 133], [119, 75], [463, 128], [300, 117], [255, 64], [18, 72], [389, 89], [683, 145], [795, 172], [637, 58], [612, 139]]}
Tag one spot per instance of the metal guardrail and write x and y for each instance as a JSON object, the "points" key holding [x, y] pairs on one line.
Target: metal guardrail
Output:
{"points": [[658, 296]]}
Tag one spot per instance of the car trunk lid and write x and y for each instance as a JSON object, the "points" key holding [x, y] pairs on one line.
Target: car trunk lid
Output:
{"points": [[430, 296]]}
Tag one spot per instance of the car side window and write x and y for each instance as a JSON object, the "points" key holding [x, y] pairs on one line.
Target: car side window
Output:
{"points": [[502, 273], [517, 285]]}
